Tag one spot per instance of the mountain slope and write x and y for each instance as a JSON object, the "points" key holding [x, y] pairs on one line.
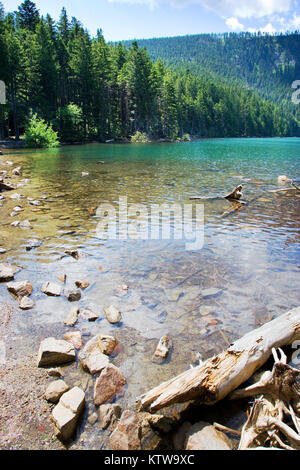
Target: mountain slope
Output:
{"points": [[267, 64]]}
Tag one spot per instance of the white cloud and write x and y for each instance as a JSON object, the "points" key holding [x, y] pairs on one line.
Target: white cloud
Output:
{"points": [[227, 8], [234, 24], [269, 28], [294, 24]]}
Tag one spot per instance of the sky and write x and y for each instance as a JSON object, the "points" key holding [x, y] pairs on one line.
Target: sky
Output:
{"points": [[129, 19]]}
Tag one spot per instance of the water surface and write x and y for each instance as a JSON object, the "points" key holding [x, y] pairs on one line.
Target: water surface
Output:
{"points": [[251, 256]]}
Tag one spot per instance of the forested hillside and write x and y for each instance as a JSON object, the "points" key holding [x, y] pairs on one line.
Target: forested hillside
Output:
{"points": [[87, 89], [265, 63]]}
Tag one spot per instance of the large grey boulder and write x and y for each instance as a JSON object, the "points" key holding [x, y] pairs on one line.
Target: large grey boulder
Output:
{"points": [[54, 351], [67, 412]]}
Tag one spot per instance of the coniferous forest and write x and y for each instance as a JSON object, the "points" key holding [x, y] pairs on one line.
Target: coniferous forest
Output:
{"points": [[89, 90]]}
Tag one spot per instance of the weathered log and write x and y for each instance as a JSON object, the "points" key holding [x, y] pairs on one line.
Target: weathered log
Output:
{"points": [[295, 186], [235, 195], [282, 190], [220, 375], [237, 205]]}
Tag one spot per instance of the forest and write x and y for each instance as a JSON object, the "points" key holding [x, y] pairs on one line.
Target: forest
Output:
{"points": [[86, 89]]}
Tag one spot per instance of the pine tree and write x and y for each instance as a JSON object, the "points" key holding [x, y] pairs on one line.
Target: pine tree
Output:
{"points": [[27, 15]]}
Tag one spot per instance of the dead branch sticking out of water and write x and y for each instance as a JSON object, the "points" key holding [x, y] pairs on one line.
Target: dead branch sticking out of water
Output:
{"points": [[237, 205], [219, 376], [235, 195]]}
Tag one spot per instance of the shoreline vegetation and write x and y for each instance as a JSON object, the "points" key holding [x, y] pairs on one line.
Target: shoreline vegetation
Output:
{"points": [[13, 144], [65, 86]]}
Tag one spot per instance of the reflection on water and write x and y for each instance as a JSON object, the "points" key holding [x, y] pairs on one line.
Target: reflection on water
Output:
{"points": [[251, 257]]}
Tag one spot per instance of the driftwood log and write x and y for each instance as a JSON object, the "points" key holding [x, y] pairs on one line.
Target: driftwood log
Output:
{"points": [[217, 377], [235, 195]]}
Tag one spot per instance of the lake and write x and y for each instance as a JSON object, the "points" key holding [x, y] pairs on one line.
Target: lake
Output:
{"points": [[250, 257]]}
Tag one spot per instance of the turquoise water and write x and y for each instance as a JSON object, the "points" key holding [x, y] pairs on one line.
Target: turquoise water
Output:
{"points": [[251, 256]]}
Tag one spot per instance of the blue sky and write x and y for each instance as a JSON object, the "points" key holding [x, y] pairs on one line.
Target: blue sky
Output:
{"points": [[128, 19]]}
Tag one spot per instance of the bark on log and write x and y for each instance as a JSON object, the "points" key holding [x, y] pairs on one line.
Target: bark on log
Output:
{"points": [[220, 375]]}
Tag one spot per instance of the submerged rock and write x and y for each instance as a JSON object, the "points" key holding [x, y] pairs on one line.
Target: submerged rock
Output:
{"points": [[88, 314], [74, 253], [72, 317], [206, 310], [7, 272], [204, 436], [25, 224], [73, 295], [113, 315], [55, 390], [173, 294], [110, 383], [55, 373], [62, 278], [109, 415], [49, 288], [163, 348], [17, 171], [106, 343], [20, 289], [212, 292], [121, 290], [82, 284], [67, 412], [74, 337], [26, 303], [93, 418], [54, 351], [31, 244]]}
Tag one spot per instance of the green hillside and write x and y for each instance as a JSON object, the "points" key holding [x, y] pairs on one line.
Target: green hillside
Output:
{"points": [[264, 63]]}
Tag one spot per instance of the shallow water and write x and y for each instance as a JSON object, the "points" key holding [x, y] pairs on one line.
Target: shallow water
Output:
{"points": [[252, 256]]}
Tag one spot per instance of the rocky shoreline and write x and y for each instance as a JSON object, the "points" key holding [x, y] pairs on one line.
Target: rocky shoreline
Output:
{"points": [[57, 404]]}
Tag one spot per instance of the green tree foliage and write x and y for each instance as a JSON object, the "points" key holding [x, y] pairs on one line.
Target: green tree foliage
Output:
{"points": [[39, 134], [87, 89], [70, 123], [27, 15]]}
